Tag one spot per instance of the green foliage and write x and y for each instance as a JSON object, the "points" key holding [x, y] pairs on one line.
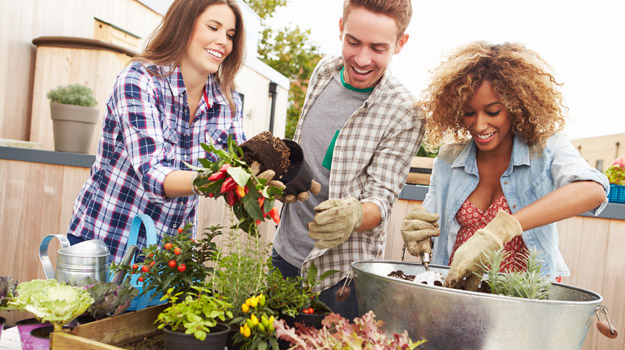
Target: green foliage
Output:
{"points": [[338, 333], [265, 8], [76, 94], [196, 314], [240, 269], [188, 256], [7, 291], [110, 299], [529, 284], [289, 51], [251, 198], [616, 172], [51, 301], [256, 326], [422, 152]]}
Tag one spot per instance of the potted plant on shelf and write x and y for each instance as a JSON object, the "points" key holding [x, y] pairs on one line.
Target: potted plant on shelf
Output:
{"points": [[616, 177], [73, 113], [194, 322], [50, 301]]}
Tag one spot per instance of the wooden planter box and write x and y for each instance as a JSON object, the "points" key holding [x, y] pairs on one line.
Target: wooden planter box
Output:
{"points": [[107, 333], [420, 171]]}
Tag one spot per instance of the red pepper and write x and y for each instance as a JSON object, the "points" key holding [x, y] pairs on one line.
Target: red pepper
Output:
{"points": [[261, 201], [182, 267], [217, 176], [231, 198], [274, 215], [241, 191], [225, 167], [258, 222], [172, 263], [228, 185]]}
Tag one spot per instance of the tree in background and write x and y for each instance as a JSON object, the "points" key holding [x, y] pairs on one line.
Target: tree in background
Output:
{"points": [[288, 51]]}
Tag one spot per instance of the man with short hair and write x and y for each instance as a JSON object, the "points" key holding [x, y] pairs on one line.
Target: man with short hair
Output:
{"points": [[359, 130]]}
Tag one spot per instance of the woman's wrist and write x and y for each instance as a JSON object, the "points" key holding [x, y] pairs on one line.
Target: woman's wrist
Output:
{"points": [[194, 188]]}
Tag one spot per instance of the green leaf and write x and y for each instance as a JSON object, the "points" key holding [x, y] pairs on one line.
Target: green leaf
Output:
{"points": [[240, 175], [251, 207]]}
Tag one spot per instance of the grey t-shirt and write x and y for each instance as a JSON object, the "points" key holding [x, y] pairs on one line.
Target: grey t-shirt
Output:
{"points": [[328, 114]]}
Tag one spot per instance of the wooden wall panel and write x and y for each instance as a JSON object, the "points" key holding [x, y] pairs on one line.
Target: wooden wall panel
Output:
{"points": [[28, 19]]}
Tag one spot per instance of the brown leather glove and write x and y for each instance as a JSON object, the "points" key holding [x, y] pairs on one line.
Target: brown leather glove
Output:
{"points": [[469, 255], [417, 228], [334, 222]]}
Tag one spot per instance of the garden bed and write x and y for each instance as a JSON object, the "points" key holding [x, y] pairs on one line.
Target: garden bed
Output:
{"points": [[109, 333]]}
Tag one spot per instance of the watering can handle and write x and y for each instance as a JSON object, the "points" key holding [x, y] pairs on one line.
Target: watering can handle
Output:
{"points": [[605, 327], [43, 253]]}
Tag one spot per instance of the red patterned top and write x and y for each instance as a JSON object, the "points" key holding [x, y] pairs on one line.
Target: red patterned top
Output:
{"points": [[471, 219]]}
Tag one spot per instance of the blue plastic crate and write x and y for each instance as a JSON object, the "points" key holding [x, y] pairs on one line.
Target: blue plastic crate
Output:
{"points": [[617, 194]]}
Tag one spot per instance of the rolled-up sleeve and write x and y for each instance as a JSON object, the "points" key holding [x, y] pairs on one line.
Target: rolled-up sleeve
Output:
{"points": [[137, 105], [568, 166]]}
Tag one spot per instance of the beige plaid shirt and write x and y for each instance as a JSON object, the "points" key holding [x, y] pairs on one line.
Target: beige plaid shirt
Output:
{"points": [[371, 161]]}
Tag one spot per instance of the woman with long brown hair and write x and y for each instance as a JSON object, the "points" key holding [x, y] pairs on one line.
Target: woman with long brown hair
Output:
{"points": [[175, 95]]}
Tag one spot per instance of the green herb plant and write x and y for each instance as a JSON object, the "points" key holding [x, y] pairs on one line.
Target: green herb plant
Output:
{"points": [[250, 198], [180, 262], [196, 314], [76, 94], [529, 284], [51, 301], [240, 268]]}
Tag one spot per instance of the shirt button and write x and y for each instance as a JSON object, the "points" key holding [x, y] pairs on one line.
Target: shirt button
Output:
{"points": [[505, 182], [514, 206]]}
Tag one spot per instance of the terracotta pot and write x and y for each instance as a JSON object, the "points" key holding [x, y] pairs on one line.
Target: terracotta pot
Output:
{"points": [[73, 127], [215, 340], [24, 328]]}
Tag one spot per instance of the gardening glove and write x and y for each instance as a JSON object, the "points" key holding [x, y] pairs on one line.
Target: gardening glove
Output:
{"points": [[334, 222], [468, 258], [314, 188], [417, 228], [266, 175]]}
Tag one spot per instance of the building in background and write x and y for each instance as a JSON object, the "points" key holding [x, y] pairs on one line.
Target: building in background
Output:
{"points": [[29, 71], [600, 151]]}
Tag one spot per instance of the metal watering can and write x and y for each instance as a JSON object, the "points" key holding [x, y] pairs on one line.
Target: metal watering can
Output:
{"points": [[75, 262]]}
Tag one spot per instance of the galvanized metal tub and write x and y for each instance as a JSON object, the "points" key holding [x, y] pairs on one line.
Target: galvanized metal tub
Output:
{"points": [[456, 319]]}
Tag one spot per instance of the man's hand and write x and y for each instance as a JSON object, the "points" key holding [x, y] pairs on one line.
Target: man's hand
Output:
{"points": [[314, 188], [417, 228], [334, 222], [469, 255]]}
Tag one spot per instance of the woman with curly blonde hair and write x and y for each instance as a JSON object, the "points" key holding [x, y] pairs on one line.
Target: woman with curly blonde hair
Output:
{"points": [[504, 174]]}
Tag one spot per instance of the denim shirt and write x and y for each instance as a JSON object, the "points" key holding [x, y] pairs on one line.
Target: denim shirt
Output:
{"points": [[529, 177]]}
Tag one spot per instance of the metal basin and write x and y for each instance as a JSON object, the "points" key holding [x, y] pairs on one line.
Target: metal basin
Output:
{"points": [[456, 319]]}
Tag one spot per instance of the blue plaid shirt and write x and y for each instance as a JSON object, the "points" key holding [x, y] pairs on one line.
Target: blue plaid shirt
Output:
{"points": [[146, 135]]}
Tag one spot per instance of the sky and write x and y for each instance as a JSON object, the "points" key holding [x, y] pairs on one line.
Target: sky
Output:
{"points": [[584, 42]]}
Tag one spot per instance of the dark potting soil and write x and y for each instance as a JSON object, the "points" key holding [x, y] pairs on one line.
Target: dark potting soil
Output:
{"points": [[271, 152], [399, 274], [154, 342]]}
